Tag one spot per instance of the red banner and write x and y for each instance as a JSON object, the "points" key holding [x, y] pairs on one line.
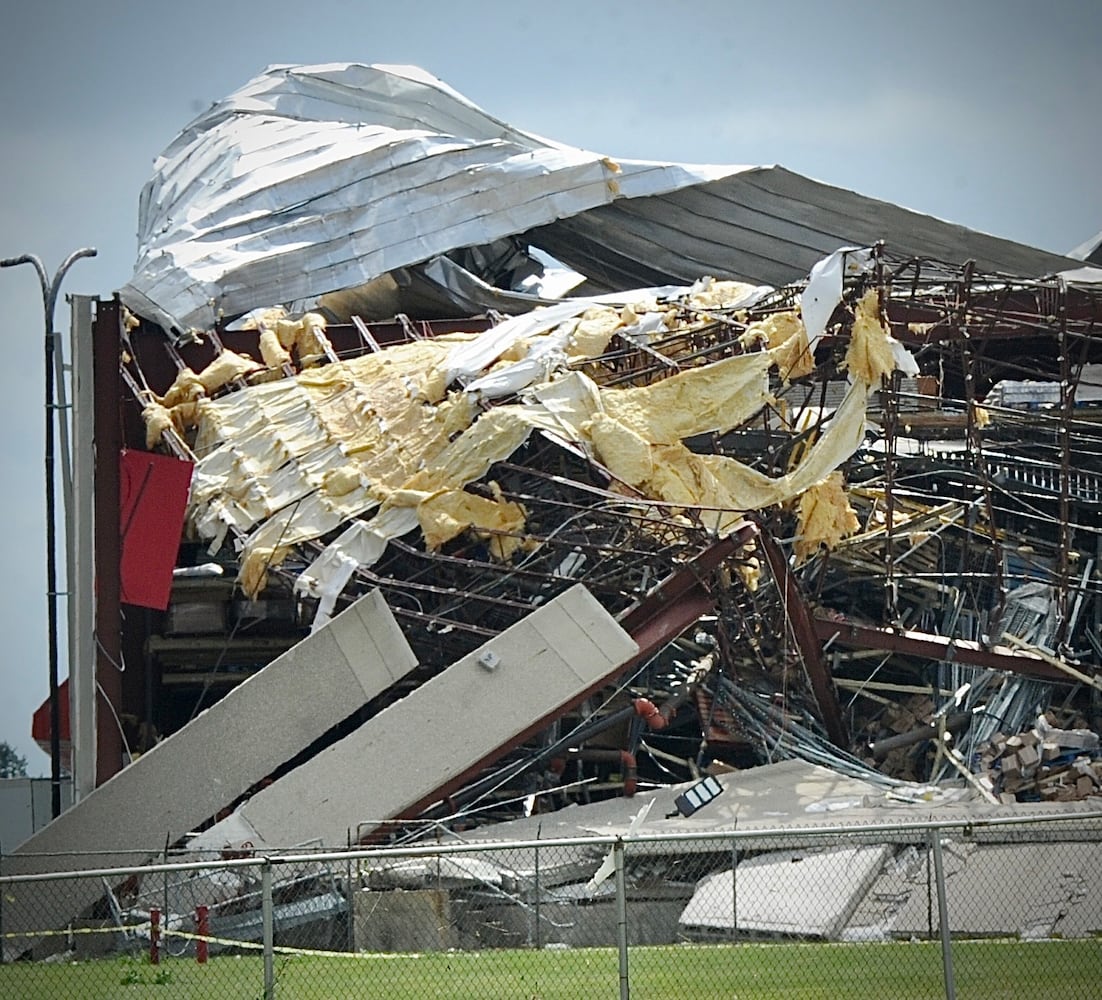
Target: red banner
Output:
{"points": [[153, 492]]}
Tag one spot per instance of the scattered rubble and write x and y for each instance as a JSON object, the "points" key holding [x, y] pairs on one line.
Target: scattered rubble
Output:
{"points": [[1045, 762]]}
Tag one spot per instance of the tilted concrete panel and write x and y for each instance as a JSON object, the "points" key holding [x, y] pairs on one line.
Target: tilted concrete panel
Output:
{"points": [[212, 761], [437, 732]]}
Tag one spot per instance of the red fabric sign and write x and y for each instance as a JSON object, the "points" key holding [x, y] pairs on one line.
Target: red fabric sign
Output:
{"points": [[153, 492]]}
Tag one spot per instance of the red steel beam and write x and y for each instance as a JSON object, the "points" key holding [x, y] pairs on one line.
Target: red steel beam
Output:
{"points": [[803, 632], [854, 635], [108, 433]]}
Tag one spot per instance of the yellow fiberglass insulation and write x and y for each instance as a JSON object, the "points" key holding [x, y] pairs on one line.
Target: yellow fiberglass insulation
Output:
{"points": [[723, 486], [304, 337], [824, 517], [254, 571], [784, 335], [341, 481], [186, 388], [275, 355], [157, 419], [869, 357], [749, 571], [594, 331], [335, 441], [714, 397], [718, 294], [445, 515], [227, 366], [634, 463], [381, 433]]}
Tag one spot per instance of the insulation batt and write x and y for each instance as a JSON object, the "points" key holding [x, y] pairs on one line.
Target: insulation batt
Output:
{"points": [[870, 356], [447, 515], [379, 442], [224, 369], [825, 517], [784, 334]]}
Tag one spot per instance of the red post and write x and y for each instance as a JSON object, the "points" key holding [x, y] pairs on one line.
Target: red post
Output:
{"points": [[154, 936], [202, 928]]}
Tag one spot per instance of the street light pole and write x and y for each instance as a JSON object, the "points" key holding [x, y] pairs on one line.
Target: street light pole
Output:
{"points": [[49, 300]]}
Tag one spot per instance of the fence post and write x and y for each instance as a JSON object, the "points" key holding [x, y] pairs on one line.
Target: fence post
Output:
{"points": [[269, 943], [734, 889], [202, 931], [943, 915], [350, 894], [621, 918], [154, 936], [539, 929], [164, 886]]}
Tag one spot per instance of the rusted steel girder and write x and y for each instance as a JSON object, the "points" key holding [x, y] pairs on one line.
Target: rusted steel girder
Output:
{"points": [[803, 632], [106, 338], [853, 635]]}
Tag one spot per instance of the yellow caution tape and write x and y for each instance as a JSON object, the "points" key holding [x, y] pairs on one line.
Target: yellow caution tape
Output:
{"points": [[164, 932]]}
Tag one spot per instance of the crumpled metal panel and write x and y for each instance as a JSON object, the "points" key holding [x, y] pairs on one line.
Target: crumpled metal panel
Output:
{"points": [[316, 179], [311, 179]]}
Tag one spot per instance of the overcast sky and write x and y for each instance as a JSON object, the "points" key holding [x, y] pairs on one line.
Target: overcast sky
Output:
{"points": [[982, 113]]}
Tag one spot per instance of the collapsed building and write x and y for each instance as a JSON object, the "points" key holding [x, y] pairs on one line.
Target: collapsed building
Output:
{"points": [[790, 473], [829, 550]]}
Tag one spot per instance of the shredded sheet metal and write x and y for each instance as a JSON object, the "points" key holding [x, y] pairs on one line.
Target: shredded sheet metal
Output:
{"points": [[314, 179]]}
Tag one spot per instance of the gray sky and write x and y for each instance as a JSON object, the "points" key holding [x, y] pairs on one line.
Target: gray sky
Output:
{"points": [[983, 113]]}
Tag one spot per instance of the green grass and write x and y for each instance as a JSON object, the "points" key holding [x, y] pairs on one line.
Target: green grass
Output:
{"points": [[985, 970]]}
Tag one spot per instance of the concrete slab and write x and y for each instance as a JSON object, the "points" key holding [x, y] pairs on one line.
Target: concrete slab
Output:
{"points": [[437, 732], [997, 890], [797, 893], [210, 762]]}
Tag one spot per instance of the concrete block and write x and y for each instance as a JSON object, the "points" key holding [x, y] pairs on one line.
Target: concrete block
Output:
{"points": [[1029, 759]]}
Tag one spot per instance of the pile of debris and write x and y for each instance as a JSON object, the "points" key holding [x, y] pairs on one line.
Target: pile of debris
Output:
{"points": [[1045, 762]]}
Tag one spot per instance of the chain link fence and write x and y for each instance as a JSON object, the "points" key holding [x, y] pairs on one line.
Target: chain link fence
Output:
{"points": [[991, 908]]}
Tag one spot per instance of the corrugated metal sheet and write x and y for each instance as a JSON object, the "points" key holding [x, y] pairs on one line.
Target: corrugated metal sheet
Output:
{"points": [[315, 179], [765, 225]]}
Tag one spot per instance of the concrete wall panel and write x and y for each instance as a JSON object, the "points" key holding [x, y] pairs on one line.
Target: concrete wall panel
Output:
{"points": [[215, 758], [437, 732]]}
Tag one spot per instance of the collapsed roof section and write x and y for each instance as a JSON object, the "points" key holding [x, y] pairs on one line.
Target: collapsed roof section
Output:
{"points": [[924, 548], [316, 180], [816, 497]]}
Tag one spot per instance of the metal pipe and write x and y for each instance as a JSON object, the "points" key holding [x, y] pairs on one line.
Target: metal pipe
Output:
{"points": [[943, 916], [49, 299]]}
